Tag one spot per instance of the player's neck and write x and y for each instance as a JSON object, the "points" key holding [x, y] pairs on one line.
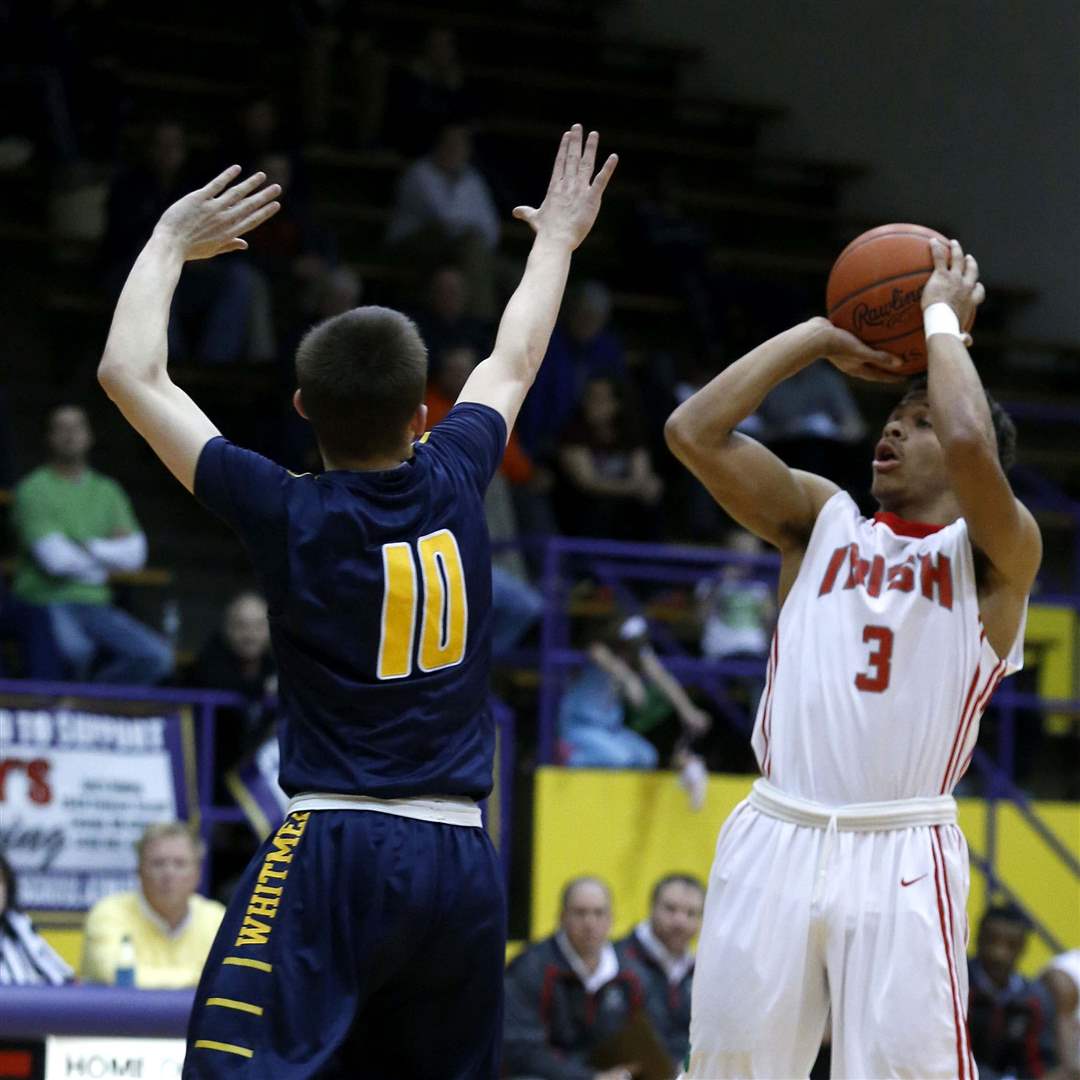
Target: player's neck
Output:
{"points": [[380, 463], [942, 509]]}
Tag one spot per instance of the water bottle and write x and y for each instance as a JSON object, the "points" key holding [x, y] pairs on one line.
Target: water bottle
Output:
{"points": [[125, 964]]}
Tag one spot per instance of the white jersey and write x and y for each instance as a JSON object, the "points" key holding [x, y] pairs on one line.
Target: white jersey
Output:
{"points": [[879, 668]]}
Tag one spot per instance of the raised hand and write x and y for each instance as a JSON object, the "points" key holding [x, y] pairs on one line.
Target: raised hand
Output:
{"points": [[955, 281], [854, 357], [573, 197], [212, 219]]}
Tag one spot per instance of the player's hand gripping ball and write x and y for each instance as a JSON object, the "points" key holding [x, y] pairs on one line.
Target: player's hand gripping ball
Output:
{"points": [[875, 286]]}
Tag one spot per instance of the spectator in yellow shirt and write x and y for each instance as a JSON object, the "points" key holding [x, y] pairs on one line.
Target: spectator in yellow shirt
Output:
{"points": [[169, 926]]}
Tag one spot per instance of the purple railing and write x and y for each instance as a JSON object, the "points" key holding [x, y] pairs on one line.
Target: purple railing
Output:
{"points": [[205, 704], [32, 1012], [618, 565]]}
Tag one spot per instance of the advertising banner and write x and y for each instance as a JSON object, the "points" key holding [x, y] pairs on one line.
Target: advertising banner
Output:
{"points": [[77, 789]]}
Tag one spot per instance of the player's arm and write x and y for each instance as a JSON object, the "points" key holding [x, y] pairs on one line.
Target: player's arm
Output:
{"points": [[561, 223], [999, 525], [748, 480], [133, 371]]}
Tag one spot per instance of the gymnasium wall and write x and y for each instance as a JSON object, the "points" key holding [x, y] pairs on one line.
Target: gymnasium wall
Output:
{"points": [[630, 828], [967, 111]]}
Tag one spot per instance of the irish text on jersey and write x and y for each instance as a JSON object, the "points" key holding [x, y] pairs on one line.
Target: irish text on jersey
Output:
{"points": [[931, 574]]}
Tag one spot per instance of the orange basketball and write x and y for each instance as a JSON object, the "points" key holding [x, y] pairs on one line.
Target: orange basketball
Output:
{"points": [[874, 289]]}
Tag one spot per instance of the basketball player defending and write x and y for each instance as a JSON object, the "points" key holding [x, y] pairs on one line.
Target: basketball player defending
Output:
{"points": [[367, 937], [841, 882]]}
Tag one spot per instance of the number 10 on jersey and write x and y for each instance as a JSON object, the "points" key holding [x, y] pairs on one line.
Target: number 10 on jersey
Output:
{"points": [[444, 616]]}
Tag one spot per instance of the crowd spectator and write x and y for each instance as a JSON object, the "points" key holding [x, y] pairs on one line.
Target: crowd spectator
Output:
{"points": [[811, 420], [610, 487], [737, 610], [446, 379], [623, 687], [428, 93], [659, 948], [569, 992], [210, 312], [516, 605], [26, 958], [1010, 1016], [444, 212], [582, 347], [444, 321], [164, 924], [237, 657], [1062, 982], [75, 527]]}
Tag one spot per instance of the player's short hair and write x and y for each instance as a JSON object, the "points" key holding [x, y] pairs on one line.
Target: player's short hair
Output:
{"points": [[164, 830], [361, 375], [584, 879], [673, 879], [1004, 428], [1007, 913]]}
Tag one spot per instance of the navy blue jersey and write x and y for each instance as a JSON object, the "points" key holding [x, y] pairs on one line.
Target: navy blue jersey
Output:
{"points": [[379, 587]]}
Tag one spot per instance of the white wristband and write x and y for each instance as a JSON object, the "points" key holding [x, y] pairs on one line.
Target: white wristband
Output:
{"points": [[939, 318]]}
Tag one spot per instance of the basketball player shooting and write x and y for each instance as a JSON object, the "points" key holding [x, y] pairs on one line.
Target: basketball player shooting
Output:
{"points": [[841, 882], [367, 936]]}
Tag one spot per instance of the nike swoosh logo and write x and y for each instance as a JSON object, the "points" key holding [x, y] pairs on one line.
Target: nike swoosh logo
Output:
{"points": [[904, 884]]}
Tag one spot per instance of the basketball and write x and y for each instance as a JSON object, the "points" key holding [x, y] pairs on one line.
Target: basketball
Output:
{"points": [[874, 289]]}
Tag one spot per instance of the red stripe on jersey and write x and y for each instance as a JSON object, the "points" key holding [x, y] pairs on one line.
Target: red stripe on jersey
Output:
{"points": [[980, 707], [938, 872], [766, 714], [960, 728], [936, 838], [903, 527], [980, 703]]}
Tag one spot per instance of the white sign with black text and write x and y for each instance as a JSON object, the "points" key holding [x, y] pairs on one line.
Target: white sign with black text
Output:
{"points": [[82, 1057]]}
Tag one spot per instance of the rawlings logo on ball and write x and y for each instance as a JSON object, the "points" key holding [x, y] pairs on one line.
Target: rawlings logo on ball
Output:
{"points": [[893, 311]]}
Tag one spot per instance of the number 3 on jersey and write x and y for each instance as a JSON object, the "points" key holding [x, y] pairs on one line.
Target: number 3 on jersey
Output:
{"points": [[876, 679], [445, 616]]}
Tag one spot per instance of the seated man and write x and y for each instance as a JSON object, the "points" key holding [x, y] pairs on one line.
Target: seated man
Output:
{"points": [[1011, 1018], [74, 528], [170, 928], [659, 949], [568, 993]]}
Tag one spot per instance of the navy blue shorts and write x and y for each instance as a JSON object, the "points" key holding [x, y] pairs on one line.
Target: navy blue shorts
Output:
{"points": [[357, 944]]}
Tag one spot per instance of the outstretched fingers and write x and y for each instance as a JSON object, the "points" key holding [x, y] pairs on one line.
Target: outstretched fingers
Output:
{"points": [[241, 191], [222, 181], [573, 153], [253, 202], [588, 158], [604, 175], [559, 168], [255, 218]]}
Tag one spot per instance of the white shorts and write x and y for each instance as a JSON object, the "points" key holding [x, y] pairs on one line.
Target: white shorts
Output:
{"points": [[862, 917]]}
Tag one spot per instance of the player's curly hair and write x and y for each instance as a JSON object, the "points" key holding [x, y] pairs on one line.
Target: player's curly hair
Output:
{"points": [[1004, 428], [361, 375]]}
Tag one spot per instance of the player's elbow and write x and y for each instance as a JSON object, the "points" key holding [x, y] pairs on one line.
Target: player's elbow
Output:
{"points": [[683, 435], [675, 433], [109, 375]]}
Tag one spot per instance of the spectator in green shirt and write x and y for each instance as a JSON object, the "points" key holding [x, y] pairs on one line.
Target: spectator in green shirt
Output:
{"points": [[74, 528]]}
